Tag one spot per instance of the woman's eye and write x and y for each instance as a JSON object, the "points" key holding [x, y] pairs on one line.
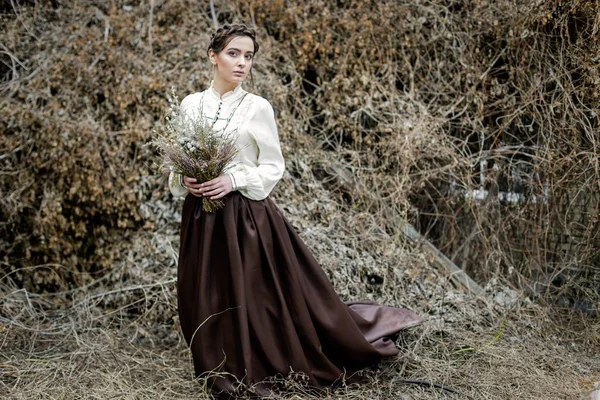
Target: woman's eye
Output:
{"points": [[232, 53], [248, 56]]}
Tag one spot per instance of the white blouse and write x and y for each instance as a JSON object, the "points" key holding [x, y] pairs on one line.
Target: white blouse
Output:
{"points": [[259, 164]]}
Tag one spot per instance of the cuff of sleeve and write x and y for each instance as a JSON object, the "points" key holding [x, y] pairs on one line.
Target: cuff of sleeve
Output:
{"points": [[238, 179], [176, 185]]}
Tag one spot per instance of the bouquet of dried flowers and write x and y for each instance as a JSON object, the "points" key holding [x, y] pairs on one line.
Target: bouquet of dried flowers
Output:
{"points": [[188, 144]]}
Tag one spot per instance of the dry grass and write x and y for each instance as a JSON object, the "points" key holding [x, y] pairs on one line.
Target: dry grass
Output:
{"points": [[125, 342], [119, 336]]}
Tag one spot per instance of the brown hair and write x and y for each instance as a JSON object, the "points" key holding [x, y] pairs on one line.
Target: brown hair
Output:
{"points": [[226, 33]]}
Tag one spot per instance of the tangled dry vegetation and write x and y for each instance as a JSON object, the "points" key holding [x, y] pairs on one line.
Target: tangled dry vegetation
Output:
{"points": [[476, 121]]}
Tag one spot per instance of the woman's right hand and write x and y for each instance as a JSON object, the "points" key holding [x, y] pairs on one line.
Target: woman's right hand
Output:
{"points": [[192, 185]]}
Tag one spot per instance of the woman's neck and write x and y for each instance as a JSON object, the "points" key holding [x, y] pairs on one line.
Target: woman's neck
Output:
{"points": [[221, 86]]}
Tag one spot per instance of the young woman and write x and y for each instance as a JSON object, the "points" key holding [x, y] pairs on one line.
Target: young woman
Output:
{"points": [[253, 302]]}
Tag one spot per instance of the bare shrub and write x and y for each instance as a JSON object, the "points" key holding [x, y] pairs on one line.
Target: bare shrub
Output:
{"points": [[417, 108]]}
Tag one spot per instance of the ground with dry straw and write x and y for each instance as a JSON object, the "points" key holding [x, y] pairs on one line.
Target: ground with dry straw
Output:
{"points": [[118, 337], [435, 112]]}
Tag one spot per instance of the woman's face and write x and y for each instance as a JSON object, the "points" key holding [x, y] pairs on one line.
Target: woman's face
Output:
{"points": [[234, 61]]}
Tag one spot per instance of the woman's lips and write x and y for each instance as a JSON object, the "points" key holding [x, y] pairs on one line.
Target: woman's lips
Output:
{"points": [[238, 73]]}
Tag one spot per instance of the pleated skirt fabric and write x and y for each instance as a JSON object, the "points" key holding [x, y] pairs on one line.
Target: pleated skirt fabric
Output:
{"points": [[254, 303]]}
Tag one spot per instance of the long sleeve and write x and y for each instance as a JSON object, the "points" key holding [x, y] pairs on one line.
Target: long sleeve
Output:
{"points": [[257, 180]]}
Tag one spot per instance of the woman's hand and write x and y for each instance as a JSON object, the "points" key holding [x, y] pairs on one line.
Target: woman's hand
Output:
{"points": [[213, 189]]}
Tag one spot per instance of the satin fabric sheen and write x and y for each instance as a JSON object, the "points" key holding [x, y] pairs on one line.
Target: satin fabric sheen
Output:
{"points": [[254, 303]]}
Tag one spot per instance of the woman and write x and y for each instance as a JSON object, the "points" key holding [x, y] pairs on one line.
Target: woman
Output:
{"points": [[253, 302]]}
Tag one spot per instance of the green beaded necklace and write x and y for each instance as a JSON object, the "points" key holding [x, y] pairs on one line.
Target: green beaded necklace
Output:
{"points": [[216, 118]]}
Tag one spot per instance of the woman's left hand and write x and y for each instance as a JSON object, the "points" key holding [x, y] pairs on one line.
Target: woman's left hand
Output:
{"points": [[216, 188]]}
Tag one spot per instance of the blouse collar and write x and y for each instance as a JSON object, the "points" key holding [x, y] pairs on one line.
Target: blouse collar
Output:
{"points": [[231, 95]]}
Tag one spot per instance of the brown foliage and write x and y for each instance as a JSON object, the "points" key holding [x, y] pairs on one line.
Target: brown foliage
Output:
{"points": [[436, 99], [413, 104], [77, 111]]}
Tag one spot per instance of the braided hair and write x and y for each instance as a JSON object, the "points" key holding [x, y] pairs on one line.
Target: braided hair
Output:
{"points": [[226, 33]]}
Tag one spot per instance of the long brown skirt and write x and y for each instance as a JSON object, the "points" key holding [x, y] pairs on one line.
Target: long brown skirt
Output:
{"points": [[254, 303]]}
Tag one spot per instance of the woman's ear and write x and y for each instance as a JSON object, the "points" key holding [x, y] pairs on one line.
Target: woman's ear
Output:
{"points": [[212, 56]]}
